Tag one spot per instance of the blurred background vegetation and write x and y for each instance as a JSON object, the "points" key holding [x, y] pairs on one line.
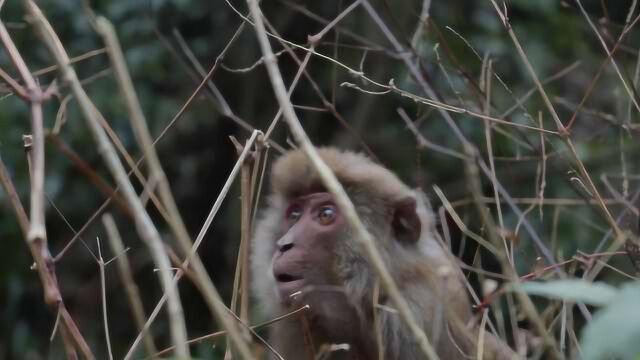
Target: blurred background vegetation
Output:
{"points": [[198, 156]]}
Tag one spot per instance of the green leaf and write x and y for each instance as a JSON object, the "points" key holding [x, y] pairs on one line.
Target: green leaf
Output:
{"points": [[570, 289], [614, 331]]}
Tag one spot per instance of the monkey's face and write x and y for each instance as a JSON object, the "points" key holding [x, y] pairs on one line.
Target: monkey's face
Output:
{"points": [[303, 261]]}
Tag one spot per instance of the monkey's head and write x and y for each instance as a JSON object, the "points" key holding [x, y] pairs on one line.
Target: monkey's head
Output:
{"points": [[303, 248], [304, 253]]}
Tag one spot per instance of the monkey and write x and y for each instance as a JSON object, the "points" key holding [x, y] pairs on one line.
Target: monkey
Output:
{"points": [[305, 253]]}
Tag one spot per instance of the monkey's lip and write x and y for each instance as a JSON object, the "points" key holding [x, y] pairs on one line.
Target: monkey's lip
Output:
{"points": [[288, 284]]}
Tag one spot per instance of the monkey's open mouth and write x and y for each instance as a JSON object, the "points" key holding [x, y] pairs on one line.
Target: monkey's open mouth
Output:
{"points": [[289, 284], [287, 278]]}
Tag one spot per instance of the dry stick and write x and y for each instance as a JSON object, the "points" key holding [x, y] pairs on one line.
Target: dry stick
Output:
{"points": [[421, 24], [35, 235], [245, 229], [480, 348], [442, 107], [620, 197], [292, 87], [462, 328], [199, 238], [317, 37], [432, 94], [520, 100], [250, 332], [119, 146], [614, 246], [249, 68], [300, 8], [330, 181], [259, 178], [73, 60], [213, 299], [451, 108], [17, 88], [406, 57], [175, 118], [630, 91], [14, 199], [428, 90], [488, 75], [460, 223], [597, 114], [128, 159], [133, 295], [217, 96], [328, 105], [561, 129], [84, 228], [543, 167], [35, 96], [21, 91], [422, 141], [253, 327], [630, 245], [134, 167], [375, 303], [45, 266], [91, 174], [620, 237], [143, 137], [103, 294], [334, 68], [545, 201], [471, 172], [592, 86], [69, 226], [242, 273], [147, 231]]}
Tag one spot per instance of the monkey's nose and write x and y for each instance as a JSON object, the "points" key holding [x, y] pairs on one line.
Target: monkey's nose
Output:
{"points": [[285, 247], [285, 243]]}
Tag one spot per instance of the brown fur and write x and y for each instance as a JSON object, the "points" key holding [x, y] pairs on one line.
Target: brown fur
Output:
{"points": [[293, 175], [426, 273]]}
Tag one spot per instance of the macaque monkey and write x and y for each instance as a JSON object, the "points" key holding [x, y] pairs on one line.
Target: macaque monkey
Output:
{"points": [[304, 253]]}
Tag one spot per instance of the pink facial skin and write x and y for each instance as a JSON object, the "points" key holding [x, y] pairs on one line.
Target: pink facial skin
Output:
{"points": [[305, 254]]}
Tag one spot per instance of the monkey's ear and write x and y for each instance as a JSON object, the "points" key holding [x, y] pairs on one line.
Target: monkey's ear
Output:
{"points": [[406, 222]]}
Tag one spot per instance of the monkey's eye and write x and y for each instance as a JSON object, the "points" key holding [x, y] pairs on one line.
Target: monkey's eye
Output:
{"points": [[327, 214], [294, 213]]}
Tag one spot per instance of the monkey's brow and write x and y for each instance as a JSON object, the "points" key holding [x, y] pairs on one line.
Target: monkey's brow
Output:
{"points": [[314, 195], [312, 188]]}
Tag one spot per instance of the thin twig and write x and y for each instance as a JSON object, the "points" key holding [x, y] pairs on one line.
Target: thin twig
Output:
{"points": [[144, 225], [473, 181], [223, 333], [36, 235], [565, 136], [130, 287], [203, 231], [14, 199], [103, 294], [144, 139], [332, 184]]}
